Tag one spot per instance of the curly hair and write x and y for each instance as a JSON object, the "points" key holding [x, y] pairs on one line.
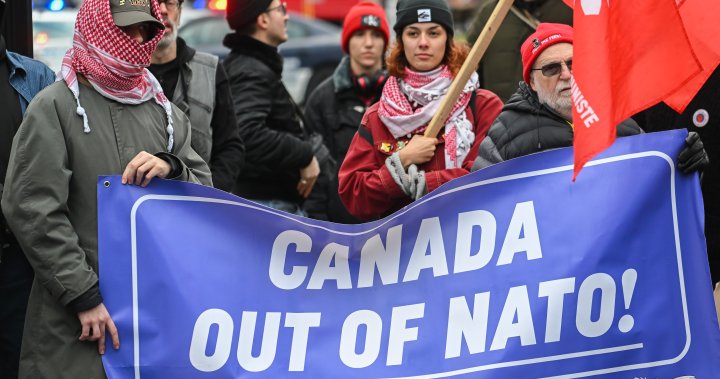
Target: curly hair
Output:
{"points": [[455, 55]]}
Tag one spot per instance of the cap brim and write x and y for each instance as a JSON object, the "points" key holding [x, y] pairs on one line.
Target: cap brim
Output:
{"points": [[135, 17]]}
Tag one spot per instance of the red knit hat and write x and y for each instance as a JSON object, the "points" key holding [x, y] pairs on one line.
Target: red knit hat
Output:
{"points": [[362, 16], [546, 35]]}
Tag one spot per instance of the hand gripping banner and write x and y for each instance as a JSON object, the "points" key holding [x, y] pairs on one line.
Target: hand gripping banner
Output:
{"points": [[511, 272]]}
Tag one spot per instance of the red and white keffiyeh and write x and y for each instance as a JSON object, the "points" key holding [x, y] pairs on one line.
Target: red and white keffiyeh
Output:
{"points": [[407, 105], [113, 63]]}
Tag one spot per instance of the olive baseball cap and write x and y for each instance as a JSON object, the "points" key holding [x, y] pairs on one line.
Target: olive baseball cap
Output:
{"points": [[129, 12]]}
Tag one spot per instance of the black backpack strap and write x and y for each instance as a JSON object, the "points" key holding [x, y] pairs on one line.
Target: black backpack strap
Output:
{"points": [[473, 106], [365, 134]]}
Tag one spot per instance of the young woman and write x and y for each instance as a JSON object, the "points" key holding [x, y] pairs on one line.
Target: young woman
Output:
{"points": [[390, 163]]}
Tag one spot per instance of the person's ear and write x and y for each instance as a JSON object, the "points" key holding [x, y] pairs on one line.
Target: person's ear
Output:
{"points": [[262, 21]]}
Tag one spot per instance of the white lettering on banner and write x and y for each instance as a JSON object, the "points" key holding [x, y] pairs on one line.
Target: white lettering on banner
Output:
{"points": [[471, 327], [522, 235], [585, 325], [201, 334], [466, 326], [555, 291], [385, 258], [428, 253], [517, 306], [324, 270], [268, 344], [301, 324], [429, 236], [582, 107], [295, 279], [400, 333], [348, 339]]}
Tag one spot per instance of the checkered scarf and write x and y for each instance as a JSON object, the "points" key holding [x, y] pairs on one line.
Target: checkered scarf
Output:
{"points": [[113, 63], [407, 105]]}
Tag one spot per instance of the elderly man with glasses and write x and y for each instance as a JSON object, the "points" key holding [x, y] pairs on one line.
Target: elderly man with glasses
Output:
{"points": [[197, 84], [539, 115]]}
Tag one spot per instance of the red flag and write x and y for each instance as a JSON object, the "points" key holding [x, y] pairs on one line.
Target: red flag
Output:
{"points": [[628, 55], [700, 19]]}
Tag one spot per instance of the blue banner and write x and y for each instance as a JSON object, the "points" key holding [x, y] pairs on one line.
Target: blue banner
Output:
{"points": [[511, 272]]}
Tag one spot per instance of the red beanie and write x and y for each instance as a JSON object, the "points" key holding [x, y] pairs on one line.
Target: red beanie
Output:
{"points": [[546, 35], [362, 16]]}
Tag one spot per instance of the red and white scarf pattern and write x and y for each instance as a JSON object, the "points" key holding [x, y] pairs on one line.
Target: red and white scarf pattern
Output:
{"points": [[408, 104], [113, 63]]}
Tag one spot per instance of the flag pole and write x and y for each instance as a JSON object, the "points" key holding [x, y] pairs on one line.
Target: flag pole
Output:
{"points": [[468, 67]]}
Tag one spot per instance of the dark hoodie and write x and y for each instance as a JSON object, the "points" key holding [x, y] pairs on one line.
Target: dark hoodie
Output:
{"points": [[527, 126], [335, 109]]}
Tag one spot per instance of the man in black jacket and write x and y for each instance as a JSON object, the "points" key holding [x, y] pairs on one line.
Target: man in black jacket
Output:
{"points": [[198, 85], [539, 115], [702, 116], [337, 105], [280, 165]]}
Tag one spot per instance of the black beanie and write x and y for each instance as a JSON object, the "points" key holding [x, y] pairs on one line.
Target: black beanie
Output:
{"points": [[412, 11], [240, 13]]}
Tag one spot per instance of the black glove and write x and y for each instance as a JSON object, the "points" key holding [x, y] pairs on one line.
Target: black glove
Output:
{"points": [[693, 157]]}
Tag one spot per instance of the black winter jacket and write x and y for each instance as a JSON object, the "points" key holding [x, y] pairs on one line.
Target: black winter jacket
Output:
{"points": [[276, 143], [702, 115], [526, 126], [335, 110]]}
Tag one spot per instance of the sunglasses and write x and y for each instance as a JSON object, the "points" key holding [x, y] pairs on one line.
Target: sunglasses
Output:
{"points": [[282, 8], [555, 68]]}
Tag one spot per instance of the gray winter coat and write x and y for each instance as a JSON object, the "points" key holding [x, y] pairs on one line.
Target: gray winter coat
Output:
{"points": [[50, 203]]}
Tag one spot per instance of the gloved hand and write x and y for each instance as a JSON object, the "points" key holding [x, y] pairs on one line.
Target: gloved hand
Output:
{"points": [[411, 182], [693, 157]]}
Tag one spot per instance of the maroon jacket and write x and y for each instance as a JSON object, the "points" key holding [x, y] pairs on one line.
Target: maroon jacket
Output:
{"points": [[365, 185]]}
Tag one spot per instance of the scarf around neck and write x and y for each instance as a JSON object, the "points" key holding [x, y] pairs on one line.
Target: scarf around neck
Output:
{"points": [[408, 104], [113, 63]]}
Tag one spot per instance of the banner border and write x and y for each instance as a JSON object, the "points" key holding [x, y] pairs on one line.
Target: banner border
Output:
{"points": [[646, 154]]}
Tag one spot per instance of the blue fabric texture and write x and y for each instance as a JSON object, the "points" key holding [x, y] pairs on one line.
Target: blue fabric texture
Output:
{"points": [[28, 77]]}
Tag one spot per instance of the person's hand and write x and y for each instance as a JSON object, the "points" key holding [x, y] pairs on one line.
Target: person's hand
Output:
{"points": [[143, 168], [419, 150], [693, 156], [308, 177], [95, 322]]}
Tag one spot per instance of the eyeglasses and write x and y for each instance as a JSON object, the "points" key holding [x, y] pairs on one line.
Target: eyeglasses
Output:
{"points": [[170, 5], [282, 8], [555, 68]]}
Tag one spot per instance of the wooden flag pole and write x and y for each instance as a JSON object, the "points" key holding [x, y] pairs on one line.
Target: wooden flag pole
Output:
{"points": [[468, 67]]}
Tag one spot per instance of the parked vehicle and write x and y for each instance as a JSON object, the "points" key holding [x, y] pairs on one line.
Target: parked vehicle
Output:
{"points": [[52, 36], [311, 53]]}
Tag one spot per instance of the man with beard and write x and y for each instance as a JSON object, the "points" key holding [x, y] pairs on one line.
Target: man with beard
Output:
{"points": [[500, 69], [539, 115], [280, 164], [198, 85], [107, 115], [21, 79]]}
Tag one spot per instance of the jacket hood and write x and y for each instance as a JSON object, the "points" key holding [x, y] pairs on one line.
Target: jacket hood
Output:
{"points": [[184, 52]]}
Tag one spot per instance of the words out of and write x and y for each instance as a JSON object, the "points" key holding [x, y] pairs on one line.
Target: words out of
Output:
{"points": [[468, 330]]}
